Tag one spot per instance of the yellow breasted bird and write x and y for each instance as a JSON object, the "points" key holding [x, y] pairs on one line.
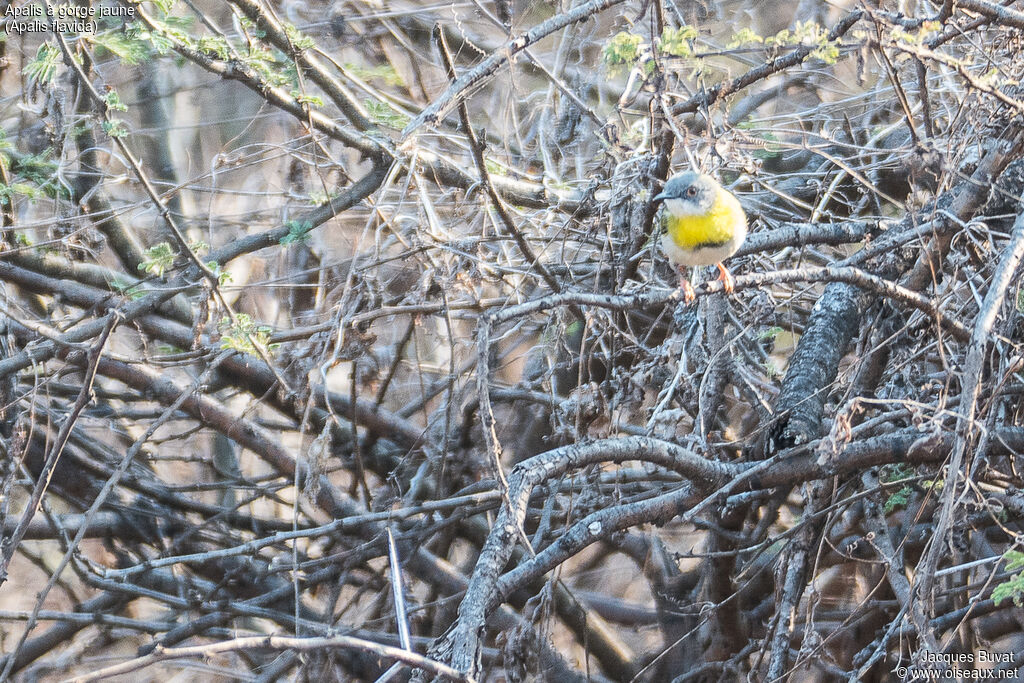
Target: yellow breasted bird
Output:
{"points": [[704, 225]]}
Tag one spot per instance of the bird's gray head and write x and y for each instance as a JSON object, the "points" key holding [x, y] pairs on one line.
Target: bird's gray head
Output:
{"points": [[689, 194]]}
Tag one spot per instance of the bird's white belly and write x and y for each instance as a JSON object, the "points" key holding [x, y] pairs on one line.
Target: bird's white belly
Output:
{"points": [[702, 256]]}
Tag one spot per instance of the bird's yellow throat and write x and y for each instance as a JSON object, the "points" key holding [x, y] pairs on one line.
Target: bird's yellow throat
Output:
{"points": [[715, 227]]}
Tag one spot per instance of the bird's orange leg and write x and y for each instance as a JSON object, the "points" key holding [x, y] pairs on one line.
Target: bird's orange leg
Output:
{"points": [[689, 296], [728, 284]]}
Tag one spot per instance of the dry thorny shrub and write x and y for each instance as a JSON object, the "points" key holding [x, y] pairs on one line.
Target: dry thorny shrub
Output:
{"points": [[282, 280]]}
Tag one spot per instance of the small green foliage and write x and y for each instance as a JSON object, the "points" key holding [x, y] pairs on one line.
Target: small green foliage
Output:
{"points": [[244, 335], [115, 128], [113, 101], [35, 168], [809, 34], [43, 68], [133, 290], [1014, 560], [159, 258], [383, 114], [161, 40], [121, 284], [77, 131], [677, 41], [165, 6], [129, 48], [7, 192], [783, 37], [198, 246], [898, 499], [901, 36], [250, 27], [32, 176], [223, 276], [1014, 587], [169, 349], [384, 72], [302, 98], [23, 239], [319, 197], [828, 52], [923, 32], [769, 333], [894, 472], [1020, 300], [300, 41], [274, 71], [744, 36], [214, 45], [494, 168], [298, 232], [622, 49]]}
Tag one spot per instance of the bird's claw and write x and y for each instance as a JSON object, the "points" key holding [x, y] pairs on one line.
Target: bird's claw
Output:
{"points": [[728, 284], [689, 296]]}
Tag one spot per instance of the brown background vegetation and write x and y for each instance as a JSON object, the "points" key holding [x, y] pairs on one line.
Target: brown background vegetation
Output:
{"points": [[344, 272]]}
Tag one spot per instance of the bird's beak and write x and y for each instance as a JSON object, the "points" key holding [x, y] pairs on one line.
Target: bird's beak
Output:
{"points": [[659, 198]]}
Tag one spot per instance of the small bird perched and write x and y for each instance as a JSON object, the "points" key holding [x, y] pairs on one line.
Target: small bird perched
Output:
{"points": [[704, 225]]}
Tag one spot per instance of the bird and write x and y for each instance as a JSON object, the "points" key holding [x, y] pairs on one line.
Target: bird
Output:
{"points": [[704, 225]]}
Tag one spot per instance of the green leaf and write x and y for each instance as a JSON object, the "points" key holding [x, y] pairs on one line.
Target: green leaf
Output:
{"points": [[165, 6], [30, 191], [159, 258], [677, 41], [302, 98], [223, 276], [215, 45], [43, 68], [623, 48], [744, 36], [383, 114], [894, 472], [113, 101], [129, 48], [384, 72], [1013, 588], [1014, 560], [300, 41], [298, 232], [319, 198], [35, 168], [244, 335], [115, 128], [898, 499], [133, 290]]}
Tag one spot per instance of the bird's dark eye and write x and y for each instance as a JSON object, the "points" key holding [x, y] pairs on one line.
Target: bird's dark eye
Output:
{"points": [[691, 191]]}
